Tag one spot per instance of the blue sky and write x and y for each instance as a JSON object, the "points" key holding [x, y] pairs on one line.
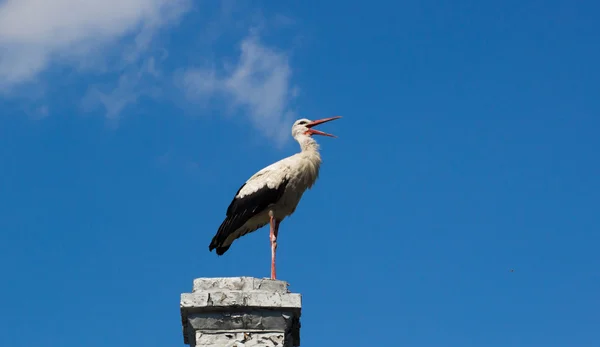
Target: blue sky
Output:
{"points": [[469, 147]]}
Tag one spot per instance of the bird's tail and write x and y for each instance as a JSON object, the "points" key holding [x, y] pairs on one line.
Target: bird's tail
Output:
{"points": [[220, 249], [219, 239], [230, 230]]}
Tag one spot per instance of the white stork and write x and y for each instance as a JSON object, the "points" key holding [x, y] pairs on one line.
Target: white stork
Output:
{"points": [[273, 193]]}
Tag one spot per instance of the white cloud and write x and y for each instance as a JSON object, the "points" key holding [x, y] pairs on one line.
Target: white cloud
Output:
{"points": [[260, 82], [137, 81], [115, 40], [35, 33]]}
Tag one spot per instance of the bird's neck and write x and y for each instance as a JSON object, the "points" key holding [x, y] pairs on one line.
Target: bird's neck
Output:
{"points": [[308, 144], [311, 160], [310, 150]]}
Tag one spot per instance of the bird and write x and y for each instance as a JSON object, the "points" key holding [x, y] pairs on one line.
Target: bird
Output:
{"points": [[273, 193]]}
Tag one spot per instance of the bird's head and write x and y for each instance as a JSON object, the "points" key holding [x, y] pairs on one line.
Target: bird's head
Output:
{"points": [[305, 127]]}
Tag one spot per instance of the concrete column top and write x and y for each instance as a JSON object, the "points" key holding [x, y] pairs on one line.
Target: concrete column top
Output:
{"points": [[239, 283], [240, 304]]}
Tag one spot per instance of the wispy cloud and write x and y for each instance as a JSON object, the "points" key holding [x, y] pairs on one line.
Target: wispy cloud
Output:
{"points": [[138, 79], [114, 48], [260, 82], [36, 33]]}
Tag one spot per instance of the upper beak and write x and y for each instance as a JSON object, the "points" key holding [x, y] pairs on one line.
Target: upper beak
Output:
{"points": [[321, 121]]}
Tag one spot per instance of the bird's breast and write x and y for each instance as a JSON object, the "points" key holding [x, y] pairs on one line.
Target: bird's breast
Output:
{"points": [[288, 202], [300, 179]]}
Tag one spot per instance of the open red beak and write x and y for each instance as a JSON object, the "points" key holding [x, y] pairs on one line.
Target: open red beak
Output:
{"points": [[320, 121]]}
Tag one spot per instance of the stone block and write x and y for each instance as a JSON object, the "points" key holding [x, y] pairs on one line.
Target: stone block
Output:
{"points": [[241, 311], [240, 339], [239, 283]]}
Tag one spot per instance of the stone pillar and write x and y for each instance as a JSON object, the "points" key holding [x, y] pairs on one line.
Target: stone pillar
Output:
{"points": [[240, 312]]}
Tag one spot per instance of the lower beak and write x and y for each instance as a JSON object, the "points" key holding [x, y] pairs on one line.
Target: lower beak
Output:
{"points": [[321, 121]]}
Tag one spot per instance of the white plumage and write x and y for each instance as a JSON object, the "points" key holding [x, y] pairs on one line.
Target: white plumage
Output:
{"points": [[273, 193]]}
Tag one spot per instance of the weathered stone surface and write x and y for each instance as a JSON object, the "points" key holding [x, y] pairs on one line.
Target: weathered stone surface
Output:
{"points": [[239, 283], [241, 339], [240, 298], [263, 311], [252, 320]]}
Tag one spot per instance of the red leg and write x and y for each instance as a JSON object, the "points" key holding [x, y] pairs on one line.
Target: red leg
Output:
{"points": [[273, 235]]}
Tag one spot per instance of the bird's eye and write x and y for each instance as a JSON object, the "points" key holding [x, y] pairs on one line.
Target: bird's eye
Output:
{"points": [[302, 122]]}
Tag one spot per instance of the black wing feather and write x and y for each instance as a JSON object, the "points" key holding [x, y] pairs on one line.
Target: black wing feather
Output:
{"points": [[240, 211]]}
